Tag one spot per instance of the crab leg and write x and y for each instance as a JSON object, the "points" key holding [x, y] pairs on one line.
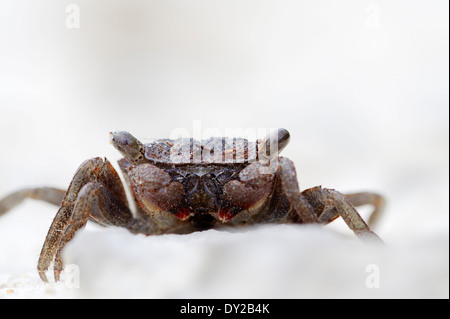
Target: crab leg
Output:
{"points": [[367, 198], [290, 188], [96, 193], [47, 194], [330, 204]]}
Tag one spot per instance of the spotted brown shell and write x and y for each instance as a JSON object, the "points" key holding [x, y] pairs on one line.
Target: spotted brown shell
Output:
{"points": [[215, 150]]}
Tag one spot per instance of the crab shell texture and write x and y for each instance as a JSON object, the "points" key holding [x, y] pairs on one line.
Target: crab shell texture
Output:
{"points": [[202, 183]]}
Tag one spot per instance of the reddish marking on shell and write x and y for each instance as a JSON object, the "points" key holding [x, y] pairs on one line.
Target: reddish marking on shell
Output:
{"points": [[225, 214], [183, 213]]}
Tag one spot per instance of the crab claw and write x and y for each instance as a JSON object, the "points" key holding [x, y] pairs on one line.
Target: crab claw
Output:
{"points": [[225, 214], [182, 213]]}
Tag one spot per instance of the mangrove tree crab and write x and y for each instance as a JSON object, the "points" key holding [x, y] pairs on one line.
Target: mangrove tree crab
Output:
{"points": [[184, 185]]}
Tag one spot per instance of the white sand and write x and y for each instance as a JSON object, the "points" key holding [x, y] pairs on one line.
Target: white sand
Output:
{"points": [[276, 261], [363, 89]]}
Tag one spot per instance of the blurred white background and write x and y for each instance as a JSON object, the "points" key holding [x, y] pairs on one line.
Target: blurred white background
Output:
{"points": [[361, 85]]}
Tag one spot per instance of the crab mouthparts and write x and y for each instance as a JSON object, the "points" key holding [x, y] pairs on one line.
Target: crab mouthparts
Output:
{"points": [[204, 219]]}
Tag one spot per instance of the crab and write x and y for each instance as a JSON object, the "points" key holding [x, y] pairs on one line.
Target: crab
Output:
{"points": [[184, 185]]}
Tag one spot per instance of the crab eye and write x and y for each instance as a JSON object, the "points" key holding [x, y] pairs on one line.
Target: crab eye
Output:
{"points": [[128, 145], [273, 144]]}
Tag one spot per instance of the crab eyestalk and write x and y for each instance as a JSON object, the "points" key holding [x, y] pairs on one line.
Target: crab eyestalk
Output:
{"points": [[273, 144], [129, 146]]}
